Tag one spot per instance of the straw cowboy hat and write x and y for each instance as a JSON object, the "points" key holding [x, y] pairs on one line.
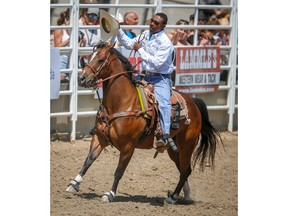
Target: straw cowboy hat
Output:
{"points": [[108, 26]]}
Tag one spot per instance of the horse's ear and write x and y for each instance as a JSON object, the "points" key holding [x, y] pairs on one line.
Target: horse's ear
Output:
{"points": [[111, 44]]}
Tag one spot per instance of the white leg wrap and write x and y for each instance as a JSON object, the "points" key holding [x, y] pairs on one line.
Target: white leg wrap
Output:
{"points": [[169, 200], [110, 195], [78, 178], [186, 190]]}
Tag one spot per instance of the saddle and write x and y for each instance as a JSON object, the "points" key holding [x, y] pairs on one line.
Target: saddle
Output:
{"points": [[149, 105], [149, 110]]}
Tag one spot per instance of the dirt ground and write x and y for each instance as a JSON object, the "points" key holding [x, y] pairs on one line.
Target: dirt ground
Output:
{"points": [[144, 185]]}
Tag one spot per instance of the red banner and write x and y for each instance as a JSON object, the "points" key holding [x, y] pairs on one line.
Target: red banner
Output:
{"points": [[197, 69]]}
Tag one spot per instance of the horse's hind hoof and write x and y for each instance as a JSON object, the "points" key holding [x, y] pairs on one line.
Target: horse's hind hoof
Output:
{"points": [[108, 197], [169, 201], [187, 201], [105, 199]]}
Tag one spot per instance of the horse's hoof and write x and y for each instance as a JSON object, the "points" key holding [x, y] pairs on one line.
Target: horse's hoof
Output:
{"points": [[187, 201], [169, 201], [71, 189], [105, 199], [73, 186], [108, 197]]}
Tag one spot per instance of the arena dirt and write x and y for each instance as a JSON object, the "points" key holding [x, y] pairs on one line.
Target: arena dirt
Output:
{"points": [[144, 185]]}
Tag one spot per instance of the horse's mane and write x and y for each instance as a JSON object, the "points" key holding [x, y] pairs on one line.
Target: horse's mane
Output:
{"points": [[127, 65]]}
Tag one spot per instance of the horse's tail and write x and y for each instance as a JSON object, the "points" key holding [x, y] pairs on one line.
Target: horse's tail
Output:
{"points": [[209, 138]]}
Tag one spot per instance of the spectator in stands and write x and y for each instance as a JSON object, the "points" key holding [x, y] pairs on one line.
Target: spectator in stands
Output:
{"points": [[210, 36], [179, 36], [224, 19], [190, 38], [90, 16], [202, 19], [209, 12], [223, 16], [89, 37], [130, 18], [62, 39]]}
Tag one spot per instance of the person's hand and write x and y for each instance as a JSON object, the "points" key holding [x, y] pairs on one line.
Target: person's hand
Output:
{"points": [[203, 42], [136, 46], [182, 34], [82, 42]]}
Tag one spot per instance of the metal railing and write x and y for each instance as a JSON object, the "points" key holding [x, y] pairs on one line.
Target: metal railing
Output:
{"points": [[75, 51]]}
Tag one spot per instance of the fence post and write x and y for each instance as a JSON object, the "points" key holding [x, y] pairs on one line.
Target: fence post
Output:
{"points": [[233, 57], [74, 64]]}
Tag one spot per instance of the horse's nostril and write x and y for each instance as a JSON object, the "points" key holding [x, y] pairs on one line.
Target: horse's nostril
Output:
{"points": [[81, 79]]}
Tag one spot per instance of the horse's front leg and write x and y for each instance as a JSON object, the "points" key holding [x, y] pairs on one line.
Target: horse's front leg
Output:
{"points": [[94, 152], [124, 159]]}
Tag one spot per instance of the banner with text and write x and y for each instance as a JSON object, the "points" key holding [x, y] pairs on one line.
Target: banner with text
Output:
{"points": [[54, 73], [197, 69]]}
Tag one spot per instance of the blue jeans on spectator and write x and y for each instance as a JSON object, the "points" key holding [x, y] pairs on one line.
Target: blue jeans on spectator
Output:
{"points": [[64, 64]]}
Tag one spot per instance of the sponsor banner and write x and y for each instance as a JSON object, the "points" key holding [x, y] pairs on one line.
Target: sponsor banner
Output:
{"points": [[54, 73], [197, 69], [197, 89], [210, 78]]}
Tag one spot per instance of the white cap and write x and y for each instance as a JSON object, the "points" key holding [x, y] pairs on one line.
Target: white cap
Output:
{"points": [[93, 10]]}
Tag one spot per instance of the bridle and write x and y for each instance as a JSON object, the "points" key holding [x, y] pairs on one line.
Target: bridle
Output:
{"points": [[105, 64]]}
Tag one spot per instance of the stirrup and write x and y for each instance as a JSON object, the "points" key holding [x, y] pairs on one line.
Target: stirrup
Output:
{"points": [[160, 145]]}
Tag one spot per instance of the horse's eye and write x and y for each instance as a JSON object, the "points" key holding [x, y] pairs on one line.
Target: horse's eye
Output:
{"points": [[101, 61]]}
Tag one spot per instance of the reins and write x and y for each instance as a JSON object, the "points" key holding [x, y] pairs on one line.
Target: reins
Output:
{"points": [[99, 81], [107, 119], [110, 77]]}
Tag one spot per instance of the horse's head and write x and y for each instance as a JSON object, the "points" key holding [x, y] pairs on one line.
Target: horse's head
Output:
{"points": [[98, 66]]}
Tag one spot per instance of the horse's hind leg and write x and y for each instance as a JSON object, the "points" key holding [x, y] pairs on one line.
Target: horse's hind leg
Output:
{"points": [[94, 152], [186, 190], [182, 182], [182, 161]]}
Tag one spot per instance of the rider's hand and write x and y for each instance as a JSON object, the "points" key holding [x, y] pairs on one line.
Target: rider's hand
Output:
{"points": [[136, 46]]}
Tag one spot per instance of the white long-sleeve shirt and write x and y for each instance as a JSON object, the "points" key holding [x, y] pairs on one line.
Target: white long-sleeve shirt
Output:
{"points": [[156, 53]]}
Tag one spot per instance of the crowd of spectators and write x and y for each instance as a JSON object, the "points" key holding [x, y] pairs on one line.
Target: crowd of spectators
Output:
{"points": [[179, 36], [61, 39]]}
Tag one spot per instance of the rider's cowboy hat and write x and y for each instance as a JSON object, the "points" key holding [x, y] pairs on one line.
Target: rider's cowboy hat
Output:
{"points": [[108, 26]]}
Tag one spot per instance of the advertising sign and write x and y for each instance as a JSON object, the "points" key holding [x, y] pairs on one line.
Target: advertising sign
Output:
{"points": [[197, 69], [54, 73]]}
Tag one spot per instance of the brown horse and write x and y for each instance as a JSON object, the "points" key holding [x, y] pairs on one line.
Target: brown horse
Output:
{"points": [[119, 123]]}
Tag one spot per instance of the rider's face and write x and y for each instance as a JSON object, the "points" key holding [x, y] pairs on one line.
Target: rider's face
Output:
{"points": [[156, 24]]}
